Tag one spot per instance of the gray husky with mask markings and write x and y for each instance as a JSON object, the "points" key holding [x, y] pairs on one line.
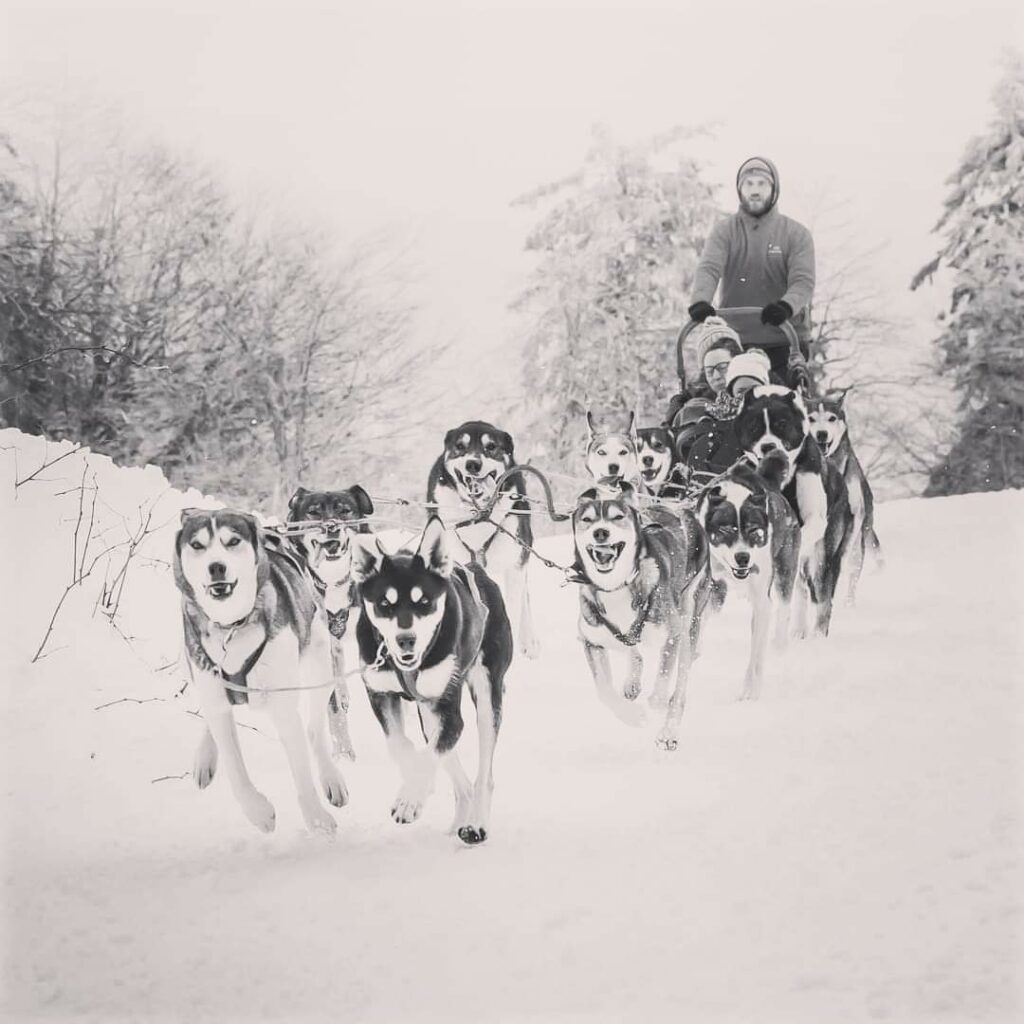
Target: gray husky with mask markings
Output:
{"points": [[255, 634], [644, 591]]}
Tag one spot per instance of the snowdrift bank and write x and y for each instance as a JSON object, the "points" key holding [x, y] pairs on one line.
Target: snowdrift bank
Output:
{"points": [[847, 849]]}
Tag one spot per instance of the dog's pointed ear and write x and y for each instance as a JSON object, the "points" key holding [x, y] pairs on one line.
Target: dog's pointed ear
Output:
{"points": [[590, 494], [631, 428], [590, 423], [434, 550], [294, 500], [508, 444], [187, 513], [716, 496], [367, 557], [628, 492], [363, 501]]}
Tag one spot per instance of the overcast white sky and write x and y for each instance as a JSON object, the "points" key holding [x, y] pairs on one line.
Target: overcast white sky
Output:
{"points": [[431, 117]]}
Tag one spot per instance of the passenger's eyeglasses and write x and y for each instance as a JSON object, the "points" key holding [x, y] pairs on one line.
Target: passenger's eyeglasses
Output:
{"points": [[710, 368]]}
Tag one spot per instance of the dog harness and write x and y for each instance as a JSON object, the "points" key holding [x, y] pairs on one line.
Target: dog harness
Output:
{"points": [[632, 635]]}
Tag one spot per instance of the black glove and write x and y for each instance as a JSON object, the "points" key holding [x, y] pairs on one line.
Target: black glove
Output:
{"points": [[700, 311], [776, 313]]}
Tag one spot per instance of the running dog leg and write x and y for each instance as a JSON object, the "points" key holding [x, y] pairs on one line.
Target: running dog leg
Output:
{"points": [[760, 622], [488, 722], [518, 603], [600, 669], [689, 636], [220, 721], [338, 705], [463, 788], [667, 655], [204, 767], [318, 668]]}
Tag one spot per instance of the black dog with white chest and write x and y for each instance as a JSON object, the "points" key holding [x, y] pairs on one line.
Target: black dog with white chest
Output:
{"points": [[774, 418], [428, 627]]}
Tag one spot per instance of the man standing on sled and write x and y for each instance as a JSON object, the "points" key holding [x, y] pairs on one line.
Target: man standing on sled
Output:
{"points": [[762, 258]]}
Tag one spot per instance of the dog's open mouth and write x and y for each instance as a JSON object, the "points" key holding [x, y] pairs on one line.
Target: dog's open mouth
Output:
{"points": [[221, 589], [406, 659], [824, 445], [477, 487], [604, 556], [650, 473], [333, 549], [741, 573]]}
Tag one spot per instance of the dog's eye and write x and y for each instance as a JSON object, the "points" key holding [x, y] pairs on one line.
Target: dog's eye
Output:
{"points": [[614, 515], [383, 603], [490, 447], [831, 418], [232, 542], [757, 536], [313, 510], [195, 545], [424, 601], [601, 452], [727, 531], [588, 517]]}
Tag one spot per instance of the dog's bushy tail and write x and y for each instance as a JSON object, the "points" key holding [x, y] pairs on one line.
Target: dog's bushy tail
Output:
{"points": [[773, 469]]}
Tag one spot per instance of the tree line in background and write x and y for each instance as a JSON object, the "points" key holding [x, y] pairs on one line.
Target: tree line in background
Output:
{"points": [[144, 314]]}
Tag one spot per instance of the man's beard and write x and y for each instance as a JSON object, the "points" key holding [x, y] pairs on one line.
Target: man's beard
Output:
{"points": [[758, 211]]}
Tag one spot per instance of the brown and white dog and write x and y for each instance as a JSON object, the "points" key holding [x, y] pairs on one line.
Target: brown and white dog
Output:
{"points": [[661, 474], [254, 633], [827, 418], [644, 589], [326, 554], [476, 456]]}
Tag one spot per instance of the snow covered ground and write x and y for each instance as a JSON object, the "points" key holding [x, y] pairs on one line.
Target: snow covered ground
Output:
{"points": [[846, 849]]}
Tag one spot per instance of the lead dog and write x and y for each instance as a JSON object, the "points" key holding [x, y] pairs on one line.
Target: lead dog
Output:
{"points": [[254, 634], [644, 589], [773, 418], [464, 476], [326, 554], [755, 550], [428, 627], [828, 425]]}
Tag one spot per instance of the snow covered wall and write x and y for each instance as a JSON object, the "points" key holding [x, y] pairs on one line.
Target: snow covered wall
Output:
{"points": [[846, 849]]}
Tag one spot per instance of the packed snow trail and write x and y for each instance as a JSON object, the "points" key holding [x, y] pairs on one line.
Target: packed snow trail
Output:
{"points": [[846, 849]]}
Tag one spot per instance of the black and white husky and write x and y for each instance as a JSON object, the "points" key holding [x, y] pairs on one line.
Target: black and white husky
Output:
{"points": [[829, 428], [254, 633], [326, 554], [773, 418], [755, 550], [613, 447], [428, 627], [476, 455], [643, 591]]}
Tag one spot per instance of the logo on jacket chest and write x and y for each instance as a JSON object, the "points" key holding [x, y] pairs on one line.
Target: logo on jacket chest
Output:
{"points": [[774, 249]]}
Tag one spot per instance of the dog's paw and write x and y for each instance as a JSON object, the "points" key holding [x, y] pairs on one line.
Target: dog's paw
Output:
{"points": [[667, 740], [319, 820], [404, 810], [631, 690], [260, 811], [472, 835], [205, 765], [335, 790], [529, 647]]}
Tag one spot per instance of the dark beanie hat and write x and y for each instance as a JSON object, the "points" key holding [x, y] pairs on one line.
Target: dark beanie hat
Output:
{"points": [[760, 165]]}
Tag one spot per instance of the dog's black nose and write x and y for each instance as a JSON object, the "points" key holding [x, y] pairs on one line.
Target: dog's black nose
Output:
{"points": [[601, 535], [473, 465], [648, 460], [218, 570], [822, 435], [613, 469], [767, 446], [742, 559], [406, 642]]}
